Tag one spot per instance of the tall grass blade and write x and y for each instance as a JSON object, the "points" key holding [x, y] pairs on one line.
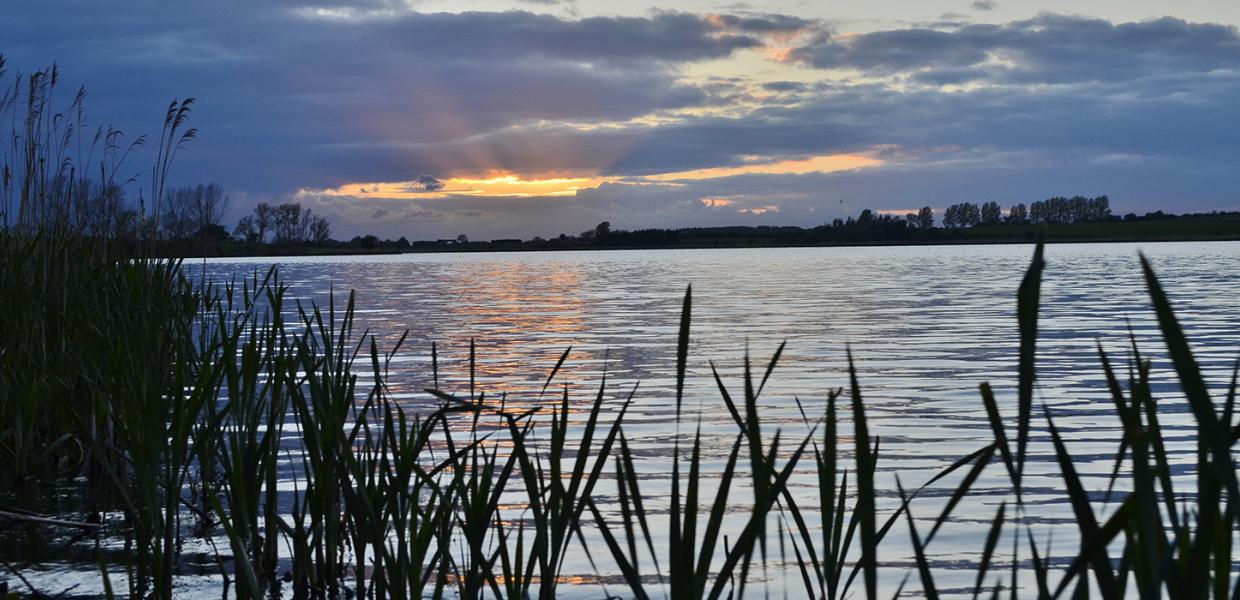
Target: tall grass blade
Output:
{"points": [[1028, 298]]}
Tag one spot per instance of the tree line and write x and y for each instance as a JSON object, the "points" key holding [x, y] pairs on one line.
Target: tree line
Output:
{"points": [[874, 227], [197, 212], [1077, 209], [287, 223]]}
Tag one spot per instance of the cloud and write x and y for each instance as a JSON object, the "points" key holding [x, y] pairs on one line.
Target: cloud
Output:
{"points": [[1047, 49], [467, 122], [338, 92], [764, 23], [1149, 142], [983, 5], [784, 86], [806, 199], [424, 183]]}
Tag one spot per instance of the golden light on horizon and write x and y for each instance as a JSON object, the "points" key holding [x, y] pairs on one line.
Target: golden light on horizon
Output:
{"points": [[501, 184], [826, 163], [507, 184]]}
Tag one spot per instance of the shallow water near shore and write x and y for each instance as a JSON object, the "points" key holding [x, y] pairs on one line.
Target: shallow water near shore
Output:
{"points": [[925, 325]]}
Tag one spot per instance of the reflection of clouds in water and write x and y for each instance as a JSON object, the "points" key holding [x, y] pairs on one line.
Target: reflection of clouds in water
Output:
{"points": [[926, 324]]}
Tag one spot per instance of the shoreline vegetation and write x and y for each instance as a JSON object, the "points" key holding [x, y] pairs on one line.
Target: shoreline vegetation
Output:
{"points": [[1159, 227], [141, 411], [1221, 227], [867, 229]]}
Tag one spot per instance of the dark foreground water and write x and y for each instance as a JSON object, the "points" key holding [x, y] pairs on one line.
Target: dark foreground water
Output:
{"points": [[925, 324]]}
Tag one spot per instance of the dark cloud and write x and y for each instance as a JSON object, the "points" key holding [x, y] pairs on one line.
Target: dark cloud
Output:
{"points": [[984, 5], [891, 51], [784, 86], [1049, 48], [664, 36], [424, 183], [761, 23]]}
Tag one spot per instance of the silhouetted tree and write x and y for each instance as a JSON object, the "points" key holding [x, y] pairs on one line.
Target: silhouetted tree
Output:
{"points": [[246, 230], [101, 209], [207, 206], [264, 219], [214, 232], [1077, 209], [305, 226], [925, 218], [1018, 214], [991, 213], [293, 225], [970, 214], [321, 230], [175, 218], [288, 223], [1100, 208], [964, 214]]}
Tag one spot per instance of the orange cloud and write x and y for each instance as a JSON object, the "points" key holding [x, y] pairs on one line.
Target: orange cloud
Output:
{"points": [[513, 185], [501, 184], [760, 210], [779, 54], [816, 164]]}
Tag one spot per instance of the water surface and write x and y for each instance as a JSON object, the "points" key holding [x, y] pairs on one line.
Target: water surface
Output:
{"points": [[925, 324]]}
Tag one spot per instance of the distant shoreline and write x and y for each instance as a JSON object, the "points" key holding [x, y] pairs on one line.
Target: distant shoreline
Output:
{"points": [[860, 233], [483, 248], [876, 244]]}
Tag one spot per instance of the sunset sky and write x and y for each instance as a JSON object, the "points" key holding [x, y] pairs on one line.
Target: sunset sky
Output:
{"points": [[538, 117]]}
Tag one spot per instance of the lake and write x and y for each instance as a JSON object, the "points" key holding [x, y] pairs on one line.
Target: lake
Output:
{"points": [[926, 325]]}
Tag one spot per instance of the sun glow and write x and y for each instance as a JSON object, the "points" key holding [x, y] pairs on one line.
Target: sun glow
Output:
{"points": [[507, 184], [502, 184], [816, 164]]}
